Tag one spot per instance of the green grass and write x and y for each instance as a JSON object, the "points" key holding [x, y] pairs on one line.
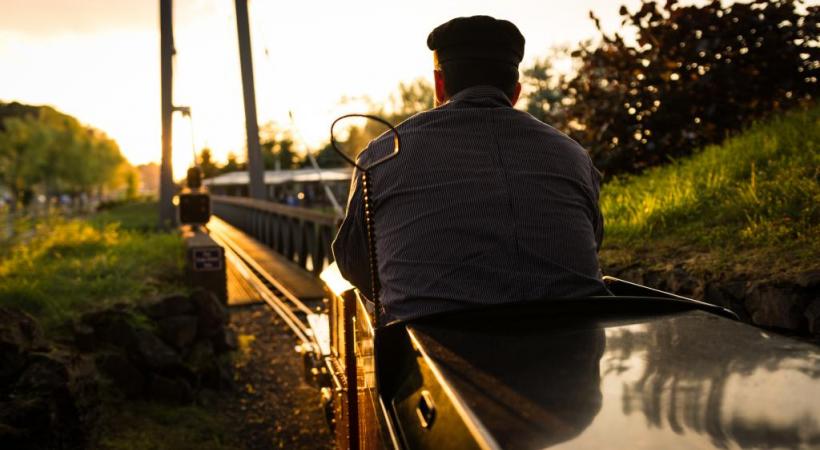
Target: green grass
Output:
{"points": [[134, 216], [155, 426], [756, 197], [69, 266]]}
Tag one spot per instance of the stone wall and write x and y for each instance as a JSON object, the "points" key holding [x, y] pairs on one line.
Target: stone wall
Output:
{"points": [[169, 350], [792, 305]]}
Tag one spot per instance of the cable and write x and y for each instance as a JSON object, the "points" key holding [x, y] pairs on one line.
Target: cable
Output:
{"points": [[328, 192]]}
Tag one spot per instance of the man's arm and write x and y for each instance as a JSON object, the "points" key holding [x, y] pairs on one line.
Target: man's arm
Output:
{"points": [[350, 245]]}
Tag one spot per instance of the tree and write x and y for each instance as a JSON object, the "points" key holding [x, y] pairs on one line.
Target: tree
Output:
{"points": [[22, 152], [694, 74], [43, 149], [411, 98], [206, 164], [328, 158], [277, 148], [232, 165], [131, 183], [545, 96]]}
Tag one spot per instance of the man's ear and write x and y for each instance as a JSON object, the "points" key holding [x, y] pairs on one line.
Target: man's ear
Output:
{"points": [[516, 93], [441, 93]]}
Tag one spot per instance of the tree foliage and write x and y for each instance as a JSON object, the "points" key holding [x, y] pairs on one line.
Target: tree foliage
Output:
{"points": [[277, 148], [206, 163], [693, 74], [43, 149], [409, 99]]}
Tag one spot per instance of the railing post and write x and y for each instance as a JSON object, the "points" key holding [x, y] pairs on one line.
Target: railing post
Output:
{"points": [[295, 233], [288, 235], [277, 233], [301, 244], [255, 224]]}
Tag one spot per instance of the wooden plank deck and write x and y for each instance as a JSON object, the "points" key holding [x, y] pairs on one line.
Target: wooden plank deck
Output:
{"points": [[301, 283], [239, 290]]}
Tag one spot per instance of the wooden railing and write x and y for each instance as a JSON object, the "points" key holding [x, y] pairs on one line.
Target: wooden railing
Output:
{"points": [[302, 235]]}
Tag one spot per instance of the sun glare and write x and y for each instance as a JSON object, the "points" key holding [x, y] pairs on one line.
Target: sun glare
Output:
{"points": [[105, 71]]}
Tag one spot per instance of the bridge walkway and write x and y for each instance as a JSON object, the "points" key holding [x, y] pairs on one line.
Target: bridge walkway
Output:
{"points": [[291, 278]]}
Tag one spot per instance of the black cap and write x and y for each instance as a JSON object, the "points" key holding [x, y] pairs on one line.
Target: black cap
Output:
{"points": [[477, 37]]}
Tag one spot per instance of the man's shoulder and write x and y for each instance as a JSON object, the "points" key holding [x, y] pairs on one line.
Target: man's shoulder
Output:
{"points": [[448, 117]]}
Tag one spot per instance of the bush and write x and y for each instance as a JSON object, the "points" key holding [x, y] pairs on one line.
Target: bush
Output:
{"points": [[693, 74]]}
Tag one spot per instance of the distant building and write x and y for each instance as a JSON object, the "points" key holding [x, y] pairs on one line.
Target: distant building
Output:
{"points": [[299, 187], [149, 179]]}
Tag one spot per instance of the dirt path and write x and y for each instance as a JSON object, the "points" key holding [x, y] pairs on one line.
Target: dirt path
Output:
{"points": [[273, 406]]}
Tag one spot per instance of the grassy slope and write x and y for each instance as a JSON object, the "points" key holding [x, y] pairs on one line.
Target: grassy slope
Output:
{"points": [[747, 208], [71, 266]]}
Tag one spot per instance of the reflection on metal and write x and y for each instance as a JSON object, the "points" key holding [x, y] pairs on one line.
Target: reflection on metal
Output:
{"points": [[688, 377], [536, 376], [334, 279]]}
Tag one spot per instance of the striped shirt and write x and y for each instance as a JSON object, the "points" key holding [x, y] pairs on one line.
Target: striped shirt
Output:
{"points": [[483, 205]]}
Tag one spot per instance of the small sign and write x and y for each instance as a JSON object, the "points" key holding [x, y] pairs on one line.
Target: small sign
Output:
{"points": [[206, 259]]}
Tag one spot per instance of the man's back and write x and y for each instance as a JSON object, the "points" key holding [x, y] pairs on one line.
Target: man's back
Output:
{"points": [[483, 205]]}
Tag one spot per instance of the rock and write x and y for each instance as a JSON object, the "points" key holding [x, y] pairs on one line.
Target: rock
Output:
{"points": [[735, 289], [212, 315], [172, 390], [172, 305], [634, 275], [20, 334], [17, 326], [201, 355], [179, 331], [712, 293], [218, 375], [774, 306], [125, 376], [212, 371], [655, 280], [114, 327], [24, 413], [84, 338], [809, 280], [49, 402], [43, 422], [812, 314], [43, 374], [225, 340], [209, 398], [680, 282], [154, 354], [11, 437]]}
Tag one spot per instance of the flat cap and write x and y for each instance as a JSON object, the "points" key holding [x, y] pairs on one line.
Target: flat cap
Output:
{"points": [[475, 38]]}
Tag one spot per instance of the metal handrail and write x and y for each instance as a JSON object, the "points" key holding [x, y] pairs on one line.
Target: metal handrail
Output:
{"points": [[318, 217], [301, 235]]}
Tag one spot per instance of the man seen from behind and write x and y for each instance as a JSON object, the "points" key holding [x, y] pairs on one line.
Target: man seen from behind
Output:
{"points": [[484, 204]]}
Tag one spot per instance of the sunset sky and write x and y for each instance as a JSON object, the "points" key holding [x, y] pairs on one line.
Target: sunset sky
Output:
{"points": [[98, 60]]}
